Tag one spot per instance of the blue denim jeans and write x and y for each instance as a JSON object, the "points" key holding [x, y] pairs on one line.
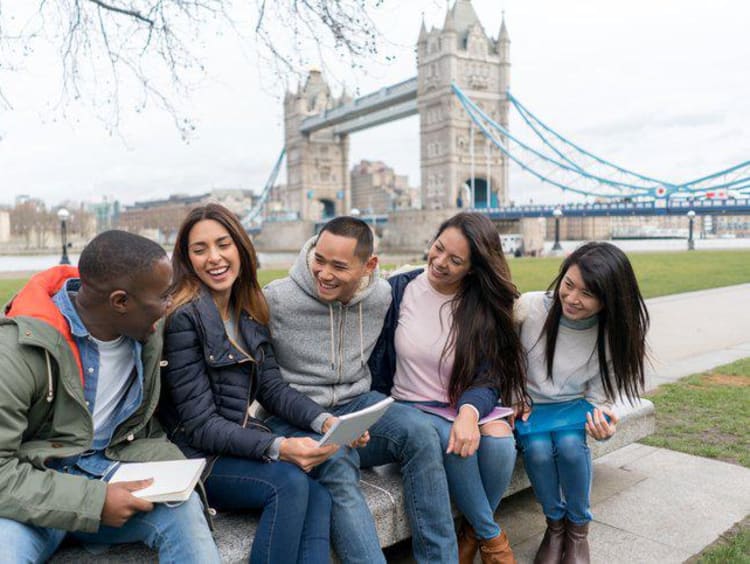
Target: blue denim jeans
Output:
{"points": [[559, 468], [403, 435], [477, 482], [295, 522], [180, 534]]}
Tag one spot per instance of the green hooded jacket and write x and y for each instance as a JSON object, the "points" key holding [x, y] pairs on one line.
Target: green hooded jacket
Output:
{"points": [[43, 414]]}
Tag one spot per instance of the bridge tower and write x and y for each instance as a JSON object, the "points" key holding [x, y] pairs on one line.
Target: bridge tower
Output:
{"points": [[463, 53], [318, 183]]}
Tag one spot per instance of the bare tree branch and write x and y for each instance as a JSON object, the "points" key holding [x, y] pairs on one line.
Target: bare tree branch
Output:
{"points": [[132, 13], [112, 52]]}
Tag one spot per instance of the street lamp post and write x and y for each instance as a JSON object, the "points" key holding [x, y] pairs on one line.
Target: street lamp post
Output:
{"points": [[557, 214], [691, 242], [63, 215]]}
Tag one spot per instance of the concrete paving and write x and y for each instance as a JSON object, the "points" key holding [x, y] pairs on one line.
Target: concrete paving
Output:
{"points": [[697, 331], [652, 504]]}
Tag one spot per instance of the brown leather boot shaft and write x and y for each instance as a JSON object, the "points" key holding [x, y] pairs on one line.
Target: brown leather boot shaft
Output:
{"points": [[496, 550], [576, 544], [553, 543], [468, 543]]}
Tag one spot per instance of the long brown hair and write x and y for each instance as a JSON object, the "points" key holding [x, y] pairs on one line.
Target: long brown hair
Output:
{"points": [[623, 319], [246, 293], [482, 334]]}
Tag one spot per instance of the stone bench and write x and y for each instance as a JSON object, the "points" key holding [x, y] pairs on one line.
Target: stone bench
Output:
{"points": [[382, 488]]}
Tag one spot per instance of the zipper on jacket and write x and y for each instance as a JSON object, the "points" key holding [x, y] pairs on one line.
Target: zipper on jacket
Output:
{"points": [[253, 381]]}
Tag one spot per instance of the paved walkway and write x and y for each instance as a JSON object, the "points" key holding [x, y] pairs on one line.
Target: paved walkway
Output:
{"points": [[696, 331], [653, 505]]}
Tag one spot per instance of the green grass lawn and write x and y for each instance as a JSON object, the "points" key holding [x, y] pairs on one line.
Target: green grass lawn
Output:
{"points": [[706, 414], [659, 274], [733, 547]]}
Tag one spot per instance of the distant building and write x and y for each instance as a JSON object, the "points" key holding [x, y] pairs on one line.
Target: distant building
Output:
{"points": [[160, 219], [377, 189], [106, 214]]}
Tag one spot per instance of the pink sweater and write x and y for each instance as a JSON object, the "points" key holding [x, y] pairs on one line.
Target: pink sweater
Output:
{"points": [[423, 325]]}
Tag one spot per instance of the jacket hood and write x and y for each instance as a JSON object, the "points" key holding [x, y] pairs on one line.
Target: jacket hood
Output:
{"points": [[35, 300], [302, 275]]}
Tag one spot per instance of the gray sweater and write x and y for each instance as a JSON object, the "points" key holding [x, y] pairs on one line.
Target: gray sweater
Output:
{"points": [[322, 349], [576, 366]]}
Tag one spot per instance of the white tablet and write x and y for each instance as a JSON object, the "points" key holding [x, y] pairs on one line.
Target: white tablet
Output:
{"points": [[351, 426]]}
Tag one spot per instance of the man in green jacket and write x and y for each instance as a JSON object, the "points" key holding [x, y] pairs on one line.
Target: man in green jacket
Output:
{"points": [[79, 382]]}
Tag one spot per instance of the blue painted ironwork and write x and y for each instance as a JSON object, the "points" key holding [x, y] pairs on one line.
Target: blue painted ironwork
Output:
{"points": [[254, 217], [475, 113], [604, 187]]}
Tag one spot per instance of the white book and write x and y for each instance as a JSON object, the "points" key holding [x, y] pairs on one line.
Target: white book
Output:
{"points": [[174, 480], [351, 426]]}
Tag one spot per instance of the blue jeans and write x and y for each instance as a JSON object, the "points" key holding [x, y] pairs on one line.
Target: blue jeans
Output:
{"points": [[403, 435], [180, 534], [559, 468], [295, 522], [477, 482]]}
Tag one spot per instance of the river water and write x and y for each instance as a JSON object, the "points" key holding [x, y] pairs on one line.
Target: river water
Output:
{"points": [[33, 263]]}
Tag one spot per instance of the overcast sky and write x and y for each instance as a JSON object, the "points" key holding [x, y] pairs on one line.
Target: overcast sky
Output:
{"points": [[659, 86]]}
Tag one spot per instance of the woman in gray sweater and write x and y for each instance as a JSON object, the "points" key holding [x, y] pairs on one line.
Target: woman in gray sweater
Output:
{"points": [[585, 346]]}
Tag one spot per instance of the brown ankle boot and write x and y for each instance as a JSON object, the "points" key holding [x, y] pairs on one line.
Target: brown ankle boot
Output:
{"points": [[496, 550], [576, 544], [551, 549], [468, 543]]}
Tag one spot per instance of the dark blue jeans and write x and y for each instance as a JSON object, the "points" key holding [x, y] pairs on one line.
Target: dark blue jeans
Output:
{"points": [[559, 468], [296, 510], [477, 482], [403, 435]]}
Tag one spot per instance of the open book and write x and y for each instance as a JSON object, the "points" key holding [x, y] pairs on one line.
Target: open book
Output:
{"points": [[498, 412], [174, 480], [351, 426]]}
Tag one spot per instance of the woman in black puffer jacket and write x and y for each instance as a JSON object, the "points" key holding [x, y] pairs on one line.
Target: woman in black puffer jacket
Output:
{"points": [[219, 360]]}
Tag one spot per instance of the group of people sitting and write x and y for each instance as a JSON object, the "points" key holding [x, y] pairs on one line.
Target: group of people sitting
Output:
{"points": [[250, 378]]}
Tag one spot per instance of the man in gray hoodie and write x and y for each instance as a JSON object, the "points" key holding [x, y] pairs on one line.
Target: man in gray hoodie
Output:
{"points": [[325, 320]]}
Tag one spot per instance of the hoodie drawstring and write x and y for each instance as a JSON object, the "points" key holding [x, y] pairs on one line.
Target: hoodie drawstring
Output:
{"points": [[361, 339], [361, 336], [333, 351], [50, 383]]}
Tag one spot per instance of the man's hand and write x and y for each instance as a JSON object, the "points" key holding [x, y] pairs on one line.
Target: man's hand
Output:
{"points": [[328, 423], [363, 439], [120, 505], [465, 435], [305, 452]]}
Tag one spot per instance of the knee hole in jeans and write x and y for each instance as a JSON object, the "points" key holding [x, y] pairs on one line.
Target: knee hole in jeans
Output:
{"points": [[497, 428]]}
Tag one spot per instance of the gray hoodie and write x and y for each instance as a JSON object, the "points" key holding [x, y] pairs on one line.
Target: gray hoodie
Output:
{"points": [[322, 349]]}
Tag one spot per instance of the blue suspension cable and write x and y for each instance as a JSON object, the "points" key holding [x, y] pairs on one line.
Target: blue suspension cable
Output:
{"points": [[473, 109]]}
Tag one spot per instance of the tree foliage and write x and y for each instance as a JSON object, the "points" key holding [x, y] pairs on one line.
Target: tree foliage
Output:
{"points": [[117, 56]]}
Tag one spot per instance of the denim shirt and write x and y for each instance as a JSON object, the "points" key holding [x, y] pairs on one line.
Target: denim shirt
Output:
{"points": [[93, 462]]}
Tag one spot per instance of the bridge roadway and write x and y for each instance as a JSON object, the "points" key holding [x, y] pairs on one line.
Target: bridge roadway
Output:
{"points": [[659, 207], [390, 103]]}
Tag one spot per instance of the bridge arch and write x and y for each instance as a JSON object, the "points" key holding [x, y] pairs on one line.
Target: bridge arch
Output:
{"points": [[327, 208], [479, 199]]}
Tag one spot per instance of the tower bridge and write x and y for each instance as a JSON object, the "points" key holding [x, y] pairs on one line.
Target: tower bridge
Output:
{"points": [[461, 93]]}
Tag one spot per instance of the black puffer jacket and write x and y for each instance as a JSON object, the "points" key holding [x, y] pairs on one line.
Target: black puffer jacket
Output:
{"points": [[208, 384]]}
